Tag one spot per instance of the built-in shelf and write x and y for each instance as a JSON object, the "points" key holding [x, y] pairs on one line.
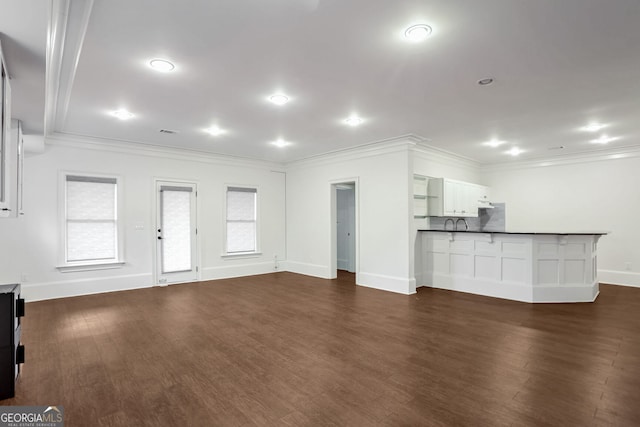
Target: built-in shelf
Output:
{"points": [[420, 196]]}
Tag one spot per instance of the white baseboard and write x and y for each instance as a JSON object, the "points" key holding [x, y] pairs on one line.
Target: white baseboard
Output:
{"points": [[622, 278], [94, 285], [551, 294], [516, 291], [420, 280], [401, 285], [488, 288], [97, 285], [239, 270], [314, 270]]}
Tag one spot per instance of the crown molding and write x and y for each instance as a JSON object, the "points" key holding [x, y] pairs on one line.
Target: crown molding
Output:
{"points": [[376, 148], [59, 139], [68, 24], [630, 151], [430, 152]]}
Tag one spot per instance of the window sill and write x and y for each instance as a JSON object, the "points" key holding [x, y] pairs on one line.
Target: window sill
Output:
{"points": [[71, 268], [241, 255]]}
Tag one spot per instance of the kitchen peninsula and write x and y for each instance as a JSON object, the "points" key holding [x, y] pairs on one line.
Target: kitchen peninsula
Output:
{"points": [[517, 265]]}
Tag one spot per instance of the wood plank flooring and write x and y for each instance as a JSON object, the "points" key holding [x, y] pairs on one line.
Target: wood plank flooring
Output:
{"points": [[290, 350]]}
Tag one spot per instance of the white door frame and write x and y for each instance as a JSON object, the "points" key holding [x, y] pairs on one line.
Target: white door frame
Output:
{"points": [[157, 275], [333, 188]]}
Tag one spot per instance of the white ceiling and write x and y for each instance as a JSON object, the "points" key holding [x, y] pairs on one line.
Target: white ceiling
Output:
{"points": [[557, 65], [23, 33]]}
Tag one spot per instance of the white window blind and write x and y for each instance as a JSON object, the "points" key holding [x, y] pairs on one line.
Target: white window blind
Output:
{"points": [[241, 219], [91, 219]]}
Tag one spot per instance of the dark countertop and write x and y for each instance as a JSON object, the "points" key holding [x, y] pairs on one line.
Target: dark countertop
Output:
{"points": [[561, 233]]}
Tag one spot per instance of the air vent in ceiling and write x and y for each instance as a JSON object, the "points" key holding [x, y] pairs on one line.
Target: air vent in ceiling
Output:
{"points": [[559, 147], [168, 131]]}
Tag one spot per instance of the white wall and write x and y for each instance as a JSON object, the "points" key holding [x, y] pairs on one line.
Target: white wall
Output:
{"points": [[382, 199], [599, 194], [39, 228]]}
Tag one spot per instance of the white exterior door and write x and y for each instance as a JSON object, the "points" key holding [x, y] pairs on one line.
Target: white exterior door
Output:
{"points": [[176, 232]]}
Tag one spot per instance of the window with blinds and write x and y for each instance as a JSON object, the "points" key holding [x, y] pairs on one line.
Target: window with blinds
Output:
{"points": [[241, 220], [91, 220]]}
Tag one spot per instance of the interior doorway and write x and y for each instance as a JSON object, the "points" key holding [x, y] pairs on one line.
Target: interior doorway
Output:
{"points": [[344, 229]]}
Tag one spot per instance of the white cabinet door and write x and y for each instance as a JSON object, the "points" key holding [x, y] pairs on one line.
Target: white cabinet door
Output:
{"points": [[468, 207], [450, 197], [472, 201], [459, 199]]}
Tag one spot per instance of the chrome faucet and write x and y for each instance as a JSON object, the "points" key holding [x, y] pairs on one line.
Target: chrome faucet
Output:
{"points": [[466, 225], [452, 224]]}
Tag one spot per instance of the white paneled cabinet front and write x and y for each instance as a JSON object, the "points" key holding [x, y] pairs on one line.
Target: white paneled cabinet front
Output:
{"points": [[521, 267]]}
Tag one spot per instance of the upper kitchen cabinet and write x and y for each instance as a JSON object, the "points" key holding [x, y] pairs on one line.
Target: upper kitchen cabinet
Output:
{"points": [[456, 198]]}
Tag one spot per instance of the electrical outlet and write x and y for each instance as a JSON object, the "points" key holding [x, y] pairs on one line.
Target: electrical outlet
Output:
{"points": [[24, 278]]}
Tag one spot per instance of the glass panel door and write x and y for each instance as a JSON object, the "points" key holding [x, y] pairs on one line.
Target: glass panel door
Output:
{"points": [[176, 233]]}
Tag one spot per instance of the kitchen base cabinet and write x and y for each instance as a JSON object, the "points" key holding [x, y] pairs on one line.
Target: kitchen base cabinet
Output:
{"points": [[529, 267]]}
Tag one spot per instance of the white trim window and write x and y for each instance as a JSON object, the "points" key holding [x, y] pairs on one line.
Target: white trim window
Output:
{"points": [[241, 228], [91, 227]]}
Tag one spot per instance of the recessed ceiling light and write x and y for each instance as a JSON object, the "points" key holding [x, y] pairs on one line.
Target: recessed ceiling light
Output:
{"points": [[485, 82], [161, 65], [279, 98], [494, 143], [593, 127], [417, 33], [280, 143], [122, 114], [515, 151], [215, 131], [603, 139], [354, 121]]}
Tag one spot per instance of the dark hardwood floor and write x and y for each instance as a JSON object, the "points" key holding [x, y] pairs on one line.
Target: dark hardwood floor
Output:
{"points": [[291, 350]]}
